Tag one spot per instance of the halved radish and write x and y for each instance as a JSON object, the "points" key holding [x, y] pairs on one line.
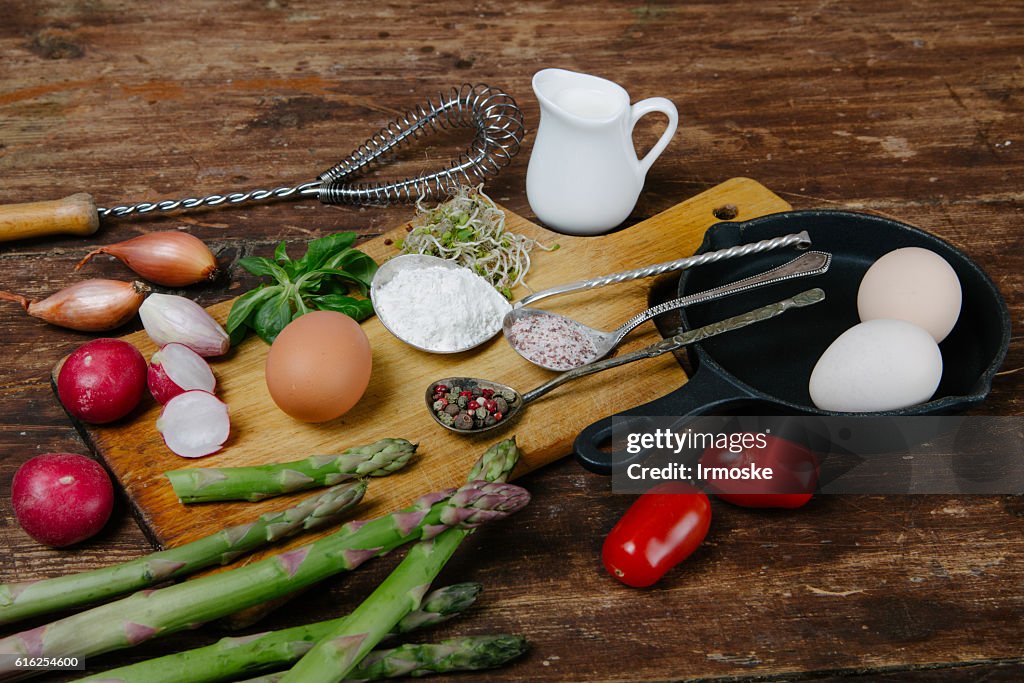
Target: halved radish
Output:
{"points": [[194, 424], [175, 369]]}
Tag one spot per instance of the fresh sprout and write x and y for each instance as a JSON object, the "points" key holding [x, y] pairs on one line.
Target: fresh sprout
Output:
{"points": [[469, 229]]}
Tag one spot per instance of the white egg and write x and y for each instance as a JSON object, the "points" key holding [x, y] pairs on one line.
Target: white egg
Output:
{"points": [[912, 284], [875, 366]]}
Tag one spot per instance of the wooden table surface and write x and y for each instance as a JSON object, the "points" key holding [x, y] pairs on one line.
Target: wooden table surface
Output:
{"points": [[915, 112]]}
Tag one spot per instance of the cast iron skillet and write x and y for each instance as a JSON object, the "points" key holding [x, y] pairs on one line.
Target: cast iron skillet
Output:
{"points": [[765, 369]]}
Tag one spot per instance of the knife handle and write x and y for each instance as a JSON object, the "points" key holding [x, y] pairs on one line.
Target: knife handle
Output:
{"points": [[72, 215]]}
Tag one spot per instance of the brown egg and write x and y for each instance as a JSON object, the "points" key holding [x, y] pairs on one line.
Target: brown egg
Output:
{"points": [[319, 366]]}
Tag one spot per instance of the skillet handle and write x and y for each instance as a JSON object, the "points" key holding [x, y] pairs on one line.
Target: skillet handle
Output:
{"points": [[706, 391]]}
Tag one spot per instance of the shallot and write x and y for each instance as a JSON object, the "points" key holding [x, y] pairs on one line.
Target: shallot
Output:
{"points": [[102, 380], [175, 369], [87, 306], [170, 318], [170, 258], [194, 423]]}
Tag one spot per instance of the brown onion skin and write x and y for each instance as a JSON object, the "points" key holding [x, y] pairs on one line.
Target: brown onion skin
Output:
{"points": [[170, 258], [87, 306]]}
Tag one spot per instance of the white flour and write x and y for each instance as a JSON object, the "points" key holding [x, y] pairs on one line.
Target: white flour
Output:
{"points": [[441, 309]]}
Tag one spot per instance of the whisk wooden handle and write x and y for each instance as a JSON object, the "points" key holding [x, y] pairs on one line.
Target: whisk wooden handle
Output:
{"points": [[72, 215]]}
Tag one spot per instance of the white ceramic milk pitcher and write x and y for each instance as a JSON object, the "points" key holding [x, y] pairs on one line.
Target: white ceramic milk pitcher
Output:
{"points": [[584, 176]]}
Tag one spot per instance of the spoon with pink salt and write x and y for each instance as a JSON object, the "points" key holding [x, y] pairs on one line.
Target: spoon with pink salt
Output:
{"points": [[560, 343], [517, 401]]}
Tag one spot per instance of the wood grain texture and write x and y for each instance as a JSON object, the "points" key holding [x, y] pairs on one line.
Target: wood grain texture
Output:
{"points": [[913, 110], [392, 406]]}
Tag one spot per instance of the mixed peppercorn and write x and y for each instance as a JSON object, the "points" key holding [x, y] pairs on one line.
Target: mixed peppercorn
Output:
{"points": [[467, 404]]}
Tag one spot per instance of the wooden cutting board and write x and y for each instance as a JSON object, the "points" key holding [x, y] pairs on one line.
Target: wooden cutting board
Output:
{"points": [[393, 404]]}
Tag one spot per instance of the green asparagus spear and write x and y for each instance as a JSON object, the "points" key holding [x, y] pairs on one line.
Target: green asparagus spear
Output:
{"points": [[456, 654], [21, 600], [472, 653], [149, 614], [345, 645], [496, 464], [401, 593], [231, 657], [338, 652], [206, 484], [440, 606]]}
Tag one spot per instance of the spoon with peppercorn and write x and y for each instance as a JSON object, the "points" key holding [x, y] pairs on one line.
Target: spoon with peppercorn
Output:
{"points": [[556, 342], [468, 405]]}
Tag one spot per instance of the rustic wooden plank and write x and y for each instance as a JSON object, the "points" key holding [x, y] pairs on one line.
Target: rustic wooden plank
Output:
{"points": [[911, 109]]}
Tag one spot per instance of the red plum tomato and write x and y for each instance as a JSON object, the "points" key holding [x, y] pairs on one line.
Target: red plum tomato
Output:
{"points": [[661, 529], [794, 474]]}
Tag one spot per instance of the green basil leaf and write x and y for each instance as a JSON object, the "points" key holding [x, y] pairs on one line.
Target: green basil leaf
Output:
{"points": [[236, 335], [291, 268], [257, 265], [355, 262], [246, 305], [357, 309], [273, 316], [332, 262], [321, 279], [356, 265], [281, 253], [315, 280], [333, 285], [310, 282], [360, 265], [321, 250]]}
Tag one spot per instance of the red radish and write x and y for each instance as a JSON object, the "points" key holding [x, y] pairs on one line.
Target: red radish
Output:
{"points": [[61, 498], [175, 369], [194, 424], [102, 380]]}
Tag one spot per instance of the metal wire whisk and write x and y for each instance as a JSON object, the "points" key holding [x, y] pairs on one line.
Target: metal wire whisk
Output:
{"points": [[493, 114]]}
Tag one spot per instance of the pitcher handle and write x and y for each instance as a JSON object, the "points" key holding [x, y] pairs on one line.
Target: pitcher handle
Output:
{"points": [[650, 106]]}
